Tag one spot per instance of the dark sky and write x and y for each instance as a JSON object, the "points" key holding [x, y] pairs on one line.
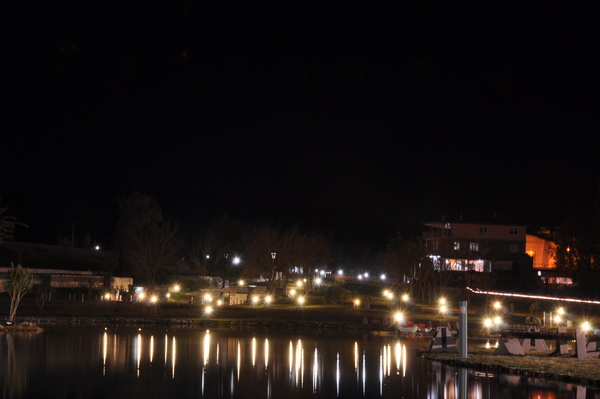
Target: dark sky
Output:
{"points": [[351, 117]]}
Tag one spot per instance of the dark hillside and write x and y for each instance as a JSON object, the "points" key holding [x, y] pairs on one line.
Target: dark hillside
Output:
{"points": [[40, 256]]}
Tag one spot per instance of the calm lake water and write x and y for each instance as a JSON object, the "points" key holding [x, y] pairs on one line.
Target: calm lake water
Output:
{"points": [[184, 363]]}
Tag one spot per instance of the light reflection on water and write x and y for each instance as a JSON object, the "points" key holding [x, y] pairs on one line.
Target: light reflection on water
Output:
{"points": [[119, 363]]}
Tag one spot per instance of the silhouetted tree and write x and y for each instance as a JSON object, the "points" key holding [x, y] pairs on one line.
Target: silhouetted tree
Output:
{"points": [[211, 254], [8, 225], [149, 246], [18, 283], [577, 250], [272, 252]]}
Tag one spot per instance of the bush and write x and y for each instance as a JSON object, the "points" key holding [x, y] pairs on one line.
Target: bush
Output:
{"points": [[533, 321], [535, 307]]}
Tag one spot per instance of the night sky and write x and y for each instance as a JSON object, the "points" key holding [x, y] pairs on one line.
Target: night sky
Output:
{"points": [[352, 117]]}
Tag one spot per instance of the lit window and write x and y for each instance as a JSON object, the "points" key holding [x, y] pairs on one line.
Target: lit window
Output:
{"points": [[474, 246], [513, 248], [456, 245], [513, 231], [482, 229]]}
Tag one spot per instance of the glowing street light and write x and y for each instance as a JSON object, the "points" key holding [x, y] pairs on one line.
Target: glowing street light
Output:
{"points": [[176, 288], [405, 297], [153, 299], [558, 319], [268, 300], [586, 326], [301, 300], [208, 310], [497, 305], [318, 281], [254, 300], [292, 293], [398, 317], [497, 320]]}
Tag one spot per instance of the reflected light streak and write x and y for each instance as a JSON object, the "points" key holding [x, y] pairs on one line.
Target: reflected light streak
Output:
{"points": [[206, 347], [174, 351], [253, 351], [315, 370], [381, 367], [398, 354], [151, 348], [138, 352], [291, 357], [388, 363], [356, 356], [166, 349], [266, 353], [364, 372], [239, 359], [337, 374], [104, 352], [403, 360], [299, 363]]}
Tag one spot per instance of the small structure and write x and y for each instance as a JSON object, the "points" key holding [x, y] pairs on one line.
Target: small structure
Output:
{"points": [[533, 343], [443, 341], [509, 346]]}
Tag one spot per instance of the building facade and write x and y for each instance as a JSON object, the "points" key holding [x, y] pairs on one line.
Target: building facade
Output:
{"points": [[478, 243]]}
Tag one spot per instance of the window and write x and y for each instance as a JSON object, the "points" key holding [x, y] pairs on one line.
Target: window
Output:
{"points": [[436, 245], [513, 248], [474, 246], [456, 245], [513, 231], [482, 229]]}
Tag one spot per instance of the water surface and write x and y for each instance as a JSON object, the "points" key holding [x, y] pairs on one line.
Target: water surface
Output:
{"points": [[90, 362]]}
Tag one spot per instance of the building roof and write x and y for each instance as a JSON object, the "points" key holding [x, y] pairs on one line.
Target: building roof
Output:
{"points": [[476, 216]]}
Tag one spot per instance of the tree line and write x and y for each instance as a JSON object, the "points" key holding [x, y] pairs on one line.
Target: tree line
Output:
{"points": [[151, 249]]}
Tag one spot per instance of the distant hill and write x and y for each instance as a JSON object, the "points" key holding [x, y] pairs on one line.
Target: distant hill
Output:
{"points": [[40, 256]]}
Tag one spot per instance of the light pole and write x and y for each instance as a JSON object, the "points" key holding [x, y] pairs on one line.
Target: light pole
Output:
{"points": [[273, 255]]}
